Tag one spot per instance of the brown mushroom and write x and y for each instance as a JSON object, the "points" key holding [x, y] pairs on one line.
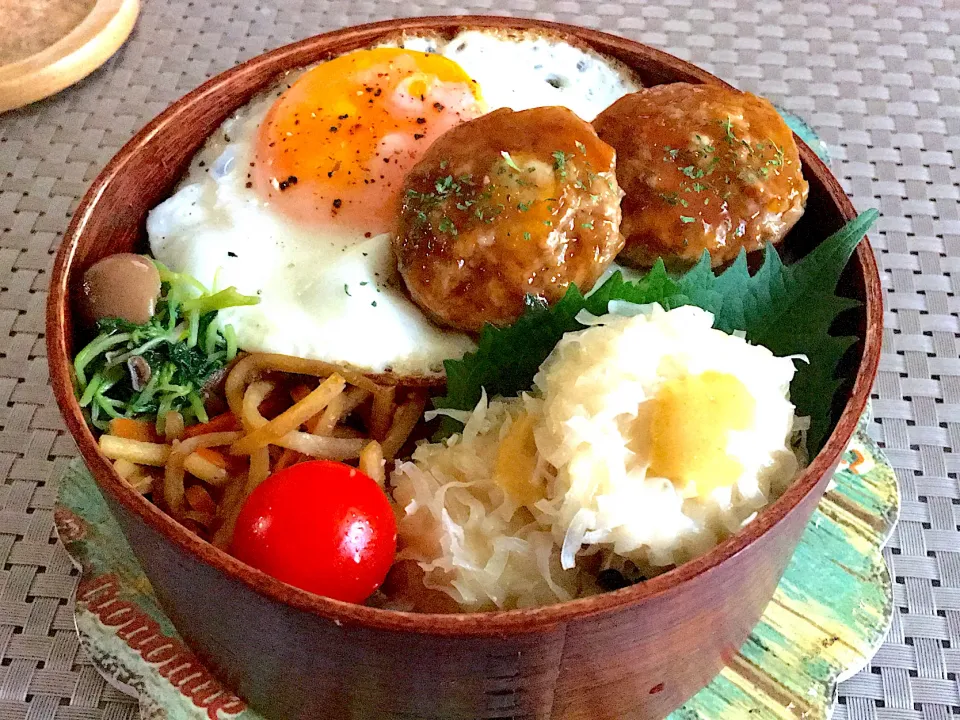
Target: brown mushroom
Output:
{"points": [[124, 286]]}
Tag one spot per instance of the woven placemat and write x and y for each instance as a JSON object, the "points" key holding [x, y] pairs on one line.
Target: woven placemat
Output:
{"points": [[878, 81]]}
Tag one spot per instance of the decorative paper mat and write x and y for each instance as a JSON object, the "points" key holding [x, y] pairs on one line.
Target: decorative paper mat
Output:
{"points": [[878, 79], [827, 618]]}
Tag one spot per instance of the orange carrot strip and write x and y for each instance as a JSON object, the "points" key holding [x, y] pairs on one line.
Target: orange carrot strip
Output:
{"points": [[227, 422], [134, 430], [213, 456]]}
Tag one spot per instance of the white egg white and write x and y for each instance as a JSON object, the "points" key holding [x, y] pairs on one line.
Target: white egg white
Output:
{"points": [[322, 296], [526, 70], [337, 296]]}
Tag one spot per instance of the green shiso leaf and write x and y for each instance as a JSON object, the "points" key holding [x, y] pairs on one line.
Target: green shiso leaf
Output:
{"points": [[787, 308], [507, 358]]}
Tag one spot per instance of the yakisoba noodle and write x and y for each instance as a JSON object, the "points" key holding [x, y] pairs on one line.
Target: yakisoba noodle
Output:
{"points": [[275, 419], [281, 431], [173, 473]]}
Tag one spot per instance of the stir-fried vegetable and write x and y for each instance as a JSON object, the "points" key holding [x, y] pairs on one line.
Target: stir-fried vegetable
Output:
{"points": [[132, 370]]}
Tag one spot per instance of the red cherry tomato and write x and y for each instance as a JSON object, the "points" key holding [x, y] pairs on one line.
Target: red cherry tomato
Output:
{"points": [[322, 526]]}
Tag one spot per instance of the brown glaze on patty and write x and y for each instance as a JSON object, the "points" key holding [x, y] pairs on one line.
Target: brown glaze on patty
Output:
{"points": [[703, 168], [504, 206]]}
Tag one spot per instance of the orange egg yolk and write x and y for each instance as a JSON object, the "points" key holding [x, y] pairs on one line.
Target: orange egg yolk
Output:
{"points": [[334, 148]]}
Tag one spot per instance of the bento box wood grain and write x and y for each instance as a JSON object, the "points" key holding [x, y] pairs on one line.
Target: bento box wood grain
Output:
{"points": [[634, 653]]}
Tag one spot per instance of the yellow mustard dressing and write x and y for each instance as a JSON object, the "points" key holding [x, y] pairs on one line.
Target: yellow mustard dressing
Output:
{"points": [[517, 460], [690, 424]]}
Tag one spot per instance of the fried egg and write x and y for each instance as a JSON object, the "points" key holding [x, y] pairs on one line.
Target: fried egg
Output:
{"points": [[553, 73], [293, 197]]}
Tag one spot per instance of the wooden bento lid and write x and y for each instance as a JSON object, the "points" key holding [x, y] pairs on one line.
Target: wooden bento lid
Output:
{"points": [[55, 43]]}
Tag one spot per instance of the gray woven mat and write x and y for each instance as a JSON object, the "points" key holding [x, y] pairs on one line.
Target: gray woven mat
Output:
{"points": [[878, 81]]}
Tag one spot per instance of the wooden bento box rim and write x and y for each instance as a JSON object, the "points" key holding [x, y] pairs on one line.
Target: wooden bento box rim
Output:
{"points": [[59, 334]]}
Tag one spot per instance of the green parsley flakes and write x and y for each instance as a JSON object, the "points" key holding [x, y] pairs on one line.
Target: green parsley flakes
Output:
{"points": [[560, 162], [446, 226]]}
